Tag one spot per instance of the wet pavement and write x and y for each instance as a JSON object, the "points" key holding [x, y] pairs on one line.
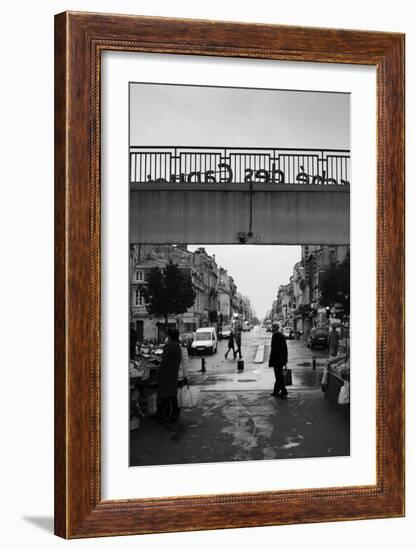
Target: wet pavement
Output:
{"points": [[236, 418]]}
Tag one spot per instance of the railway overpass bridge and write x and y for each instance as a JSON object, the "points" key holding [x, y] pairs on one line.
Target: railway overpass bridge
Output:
{"points": [[225, 195]]}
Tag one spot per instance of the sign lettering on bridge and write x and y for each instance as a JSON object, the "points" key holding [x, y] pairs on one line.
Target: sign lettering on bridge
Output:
{"points": [[211, 165]]}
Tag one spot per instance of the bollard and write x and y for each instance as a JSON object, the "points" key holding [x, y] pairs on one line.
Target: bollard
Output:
{"points": [[240, 365], [314, 362], [203, 369]]}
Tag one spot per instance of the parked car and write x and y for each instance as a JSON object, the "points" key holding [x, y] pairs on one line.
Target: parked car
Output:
{"points": [[288, 333], [317, 338], [205, 341], [224, 332]]}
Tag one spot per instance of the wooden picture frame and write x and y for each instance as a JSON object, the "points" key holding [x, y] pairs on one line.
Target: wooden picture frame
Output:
{"points": [[79, 40]]}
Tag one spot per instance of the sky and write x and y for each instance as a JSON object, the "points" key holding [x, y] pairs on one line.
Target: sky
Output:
{"points": [[170, 115], [258, 271], [176, 115]]}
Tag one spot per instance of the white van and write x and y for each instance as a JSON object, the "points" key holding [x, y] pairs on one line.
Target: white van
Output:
{"points": [[205, 341]]}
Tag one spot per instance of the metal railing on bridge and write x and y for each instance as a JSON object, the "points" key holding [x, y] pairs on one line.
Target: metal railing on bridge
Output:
{"points": [[239, 165]]}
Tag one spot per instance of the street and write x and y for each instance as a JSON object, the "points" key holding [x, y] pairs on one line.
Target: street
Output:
{"points": [[236, 418]]}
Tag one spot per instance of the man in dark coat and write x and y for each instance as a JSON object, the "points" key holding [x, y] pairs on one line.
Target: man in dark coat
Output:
{"points": [[231, 345], [168, 375], [277, 360], [238, 342], [333, 342]]}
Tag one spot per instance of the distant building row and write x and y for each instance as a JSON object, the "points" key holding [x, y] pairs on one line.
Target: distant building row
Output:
{"points": [[298, 302], [217, 300]]}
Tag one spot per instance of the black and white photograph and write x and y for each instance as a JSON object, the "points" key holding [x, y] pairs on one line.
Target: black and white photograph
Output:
{"points": [[239, 274]]}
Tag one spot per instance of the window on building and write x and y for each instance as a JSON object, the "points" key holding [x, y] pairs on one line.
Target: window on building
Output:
{"points": [[139, 276], [139, 297]]}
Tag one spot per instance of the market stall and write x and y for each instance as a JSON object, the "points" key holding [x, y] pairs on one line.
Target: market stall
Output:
{"points": [[335, 382], [143, 385]]}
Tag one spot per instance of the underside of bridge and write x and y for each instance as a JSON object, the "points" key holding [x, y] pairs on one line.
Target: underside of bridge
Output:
{"points": [[219, 217]]}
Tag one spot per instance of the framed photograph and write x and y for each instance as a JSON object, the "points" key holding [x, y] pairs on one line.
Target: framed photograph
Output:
{"points": [[229, 275]]}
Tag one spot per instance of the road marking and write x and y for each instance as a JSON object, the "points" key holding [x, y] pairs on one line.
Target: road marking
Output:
{"points": [[259, 357]]}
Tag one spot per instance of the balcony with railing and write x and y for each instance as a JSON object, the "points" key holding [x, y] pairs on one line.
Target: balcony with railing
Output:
{"points": [[237, 168]]}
